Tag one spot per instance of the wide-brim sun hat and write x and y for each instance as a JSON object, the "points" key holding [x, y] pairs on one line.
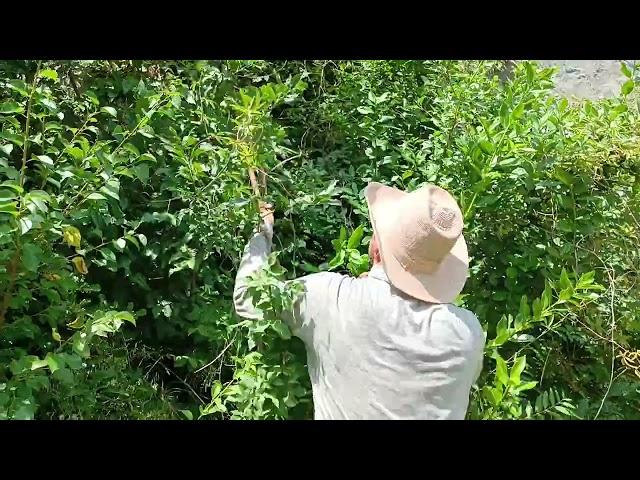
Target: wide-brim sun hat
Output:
{"points": [[424, 253]]}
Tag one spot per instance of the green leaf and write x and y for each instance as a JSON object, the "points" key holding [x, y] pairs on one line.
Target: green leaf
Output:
{"points": [[517, 369], [564, 279], [627, 87], [147, 157], [512, 272], [187, 414], [9, 207], [31, 256], [110, 110], [565, 177], [502, 374], [11, 107], [19, 86], [52, 362], [120, 243], [12, 137], [563, 410], [111, 188], [130, 147], [64, 375], [504, 115], [25, 412], [538, 405], [36, 364], [524, 338], [565, 225], [216, 389], [50, 104], [343, 235], [487, 147], [282, 329], [527, 386], [96, 196], [524, 308], [356, 236], [25, 225], [337, 261], [55, 335], [126, 316], [50, 74], [45, 159], [616, 111], [518, 111], [530, 71], [6, 149], [76, 152], [108, 254], [6, 196], [72, 360], [586, 279], [625, 70], [546, 297], [142, 172], [565, 294]]}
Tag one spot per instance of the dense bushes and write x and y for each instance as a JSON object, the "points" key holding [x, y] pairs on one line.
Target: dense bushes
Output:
{"points": [[125, 204]]}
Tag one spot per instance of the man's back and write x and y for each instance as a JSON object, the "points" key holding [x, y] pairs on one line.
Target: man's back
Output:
{"points": [[375, 353], [391, 345]]}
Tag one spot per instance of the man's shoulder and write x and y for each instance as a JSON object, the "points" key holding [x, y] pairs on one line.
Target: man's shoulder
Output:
{"points": [[466, 317], [460, 312], [322, 277], [323, 282]]}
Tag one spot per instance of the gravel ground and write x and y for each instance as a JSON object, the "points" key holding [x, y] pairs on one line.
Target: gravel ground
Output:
{"points": [[588, 78]]}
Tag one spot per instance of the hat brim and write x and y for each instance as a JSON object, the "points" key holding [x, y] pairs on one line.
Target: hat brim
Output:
{"points": [[442, 285]]}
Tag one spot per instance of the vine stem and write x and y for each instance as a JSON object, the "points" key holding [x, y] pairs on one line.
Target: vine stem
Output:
{"points": [[613, 345], [25, 149]]}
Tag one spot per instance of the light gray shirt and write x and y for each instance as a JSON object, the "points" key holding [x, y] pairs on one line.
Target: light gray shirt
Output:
{"points": [[373, 352]]}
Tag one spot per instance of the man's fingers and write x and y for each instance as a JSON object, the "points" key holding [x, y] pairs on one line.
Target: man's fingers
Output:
{"points": [[266, 208]]}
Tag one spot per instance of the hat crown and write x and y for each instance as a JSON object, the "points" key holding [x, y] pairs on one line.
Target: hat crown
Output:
{"points": [[429, 224]]}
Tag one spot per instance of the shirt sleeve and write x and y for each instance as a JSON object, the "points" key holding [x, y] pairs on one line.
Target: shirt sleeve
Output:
{"points": [[480, 363], [253, 259], [318, 289]]}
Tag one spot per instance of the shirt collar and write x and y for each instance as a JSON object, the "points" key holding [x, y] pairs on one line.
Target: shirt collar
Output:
{"points": [[378, 273]]}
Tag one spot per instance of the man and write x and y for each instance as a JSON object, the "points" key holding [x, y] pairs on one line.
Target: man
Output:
{"points": [[388, 345]]}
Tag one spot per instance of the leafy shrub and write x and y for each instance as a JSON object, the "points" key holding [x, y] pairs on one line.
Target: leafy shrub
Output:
{"points": [[125, 205]]}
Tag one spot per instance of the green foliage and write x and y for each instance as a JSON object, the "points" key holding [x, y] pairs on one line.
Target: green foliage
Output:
{"points": [[268, 381], [125, 205], [347, 253]]}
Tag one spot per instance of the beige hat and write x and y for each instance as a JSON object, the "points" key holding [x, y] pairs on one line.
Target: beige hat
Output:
{"points": [[420, 238]]}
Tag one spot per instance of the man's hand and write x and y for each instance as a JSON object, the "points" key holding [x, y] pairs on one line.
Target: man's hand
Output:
{"points": [[266, 214]]}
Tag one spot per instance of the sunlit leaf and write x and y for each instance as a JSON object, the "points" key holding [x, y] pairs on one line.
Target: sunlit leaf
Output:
{"points": [[96, 196], [72, 236], [110, 110], [11, 107], [50, 74]]}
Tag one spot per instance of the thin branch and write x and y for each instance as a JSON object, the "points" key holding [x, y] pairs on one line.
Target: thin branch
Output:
{"points": [[613, 346], [183, 382], [218, 357]]}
